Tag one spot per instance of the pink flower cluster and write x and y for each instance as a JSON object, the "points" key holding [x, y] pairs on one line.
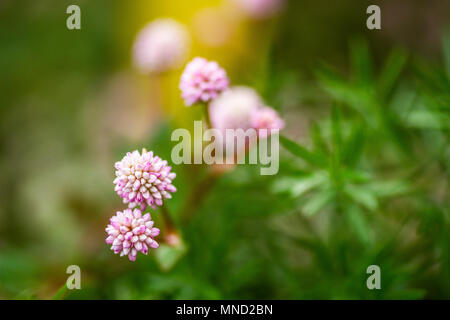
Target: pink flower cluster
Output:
{"points": [[233, 109], [242, 108], [143, 179], [266, 118], [160, 46], [202, 81], [229, 108], [130, 232]]}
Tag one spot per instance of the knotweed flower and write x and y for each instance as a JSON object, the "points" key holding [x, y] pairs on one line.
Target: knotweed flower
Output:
{"points": [[260, 9], [266, 118], [143, 179], [160, 46], [234, 108], [202, 80], [130, 232]]}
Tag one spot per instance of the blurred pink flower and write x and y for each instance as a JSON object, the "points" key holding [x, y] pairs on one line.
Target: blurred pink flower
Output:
{"points": [[233, 108], [242, 108], [260, 9], [160, 46], [130, 232], [202, 80], [143, 179], [266, 118]]}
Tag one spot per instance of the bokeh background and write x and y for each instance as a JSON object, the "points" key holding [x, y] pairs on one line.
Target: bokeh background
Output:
{"points": [[374, 104]]}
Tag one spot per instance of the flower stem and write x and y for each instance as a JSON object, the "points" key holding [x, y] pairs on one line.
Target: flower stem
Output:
{"points": [[168, 222], [207, 117], [197, 196]]}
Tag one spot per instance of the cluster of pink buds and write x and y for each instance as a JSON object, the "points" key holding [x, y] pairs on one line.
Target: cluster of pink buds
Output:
{"points": [[202, 81], [229, 108], [242, 108], [142, 179], [145, 180], [130, 232]]}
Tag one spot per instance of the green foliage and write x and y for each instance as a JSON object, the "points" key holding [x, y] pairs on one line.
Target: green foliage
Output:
{"points": [[351, 189], [368, 183]]}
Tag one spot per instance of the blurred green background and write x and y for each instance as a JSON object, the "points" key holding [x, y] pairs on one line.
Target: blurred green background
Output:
{"points": [[364, 173]]}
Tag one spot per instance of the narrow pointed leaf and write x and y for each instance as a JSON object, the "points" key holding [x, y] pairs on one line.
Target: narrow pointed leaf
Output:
{"points": [[391, 71], [317, 202], [302, 152]]}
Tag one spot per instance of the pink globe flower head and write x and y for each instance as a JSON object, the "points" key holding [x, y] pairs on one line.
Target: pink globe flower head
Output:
{"points": [[266, 118], [130, 232], [143, 179], [160, 46], [202, 81], [234, 108], [260, 9]]}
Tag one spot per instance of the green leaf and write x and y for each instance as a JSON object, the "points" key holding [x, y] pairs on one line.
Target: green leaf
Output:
{"points": [[361, 99], [353, 146], [356, 219], [425, 119], [319, 142], [299, 186], [391, 70], [167, 256], [336, 129], [60, 294], [302, 152], [363, 196], [355, 176], [317, 202], [389, 188], [361, 61]]}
